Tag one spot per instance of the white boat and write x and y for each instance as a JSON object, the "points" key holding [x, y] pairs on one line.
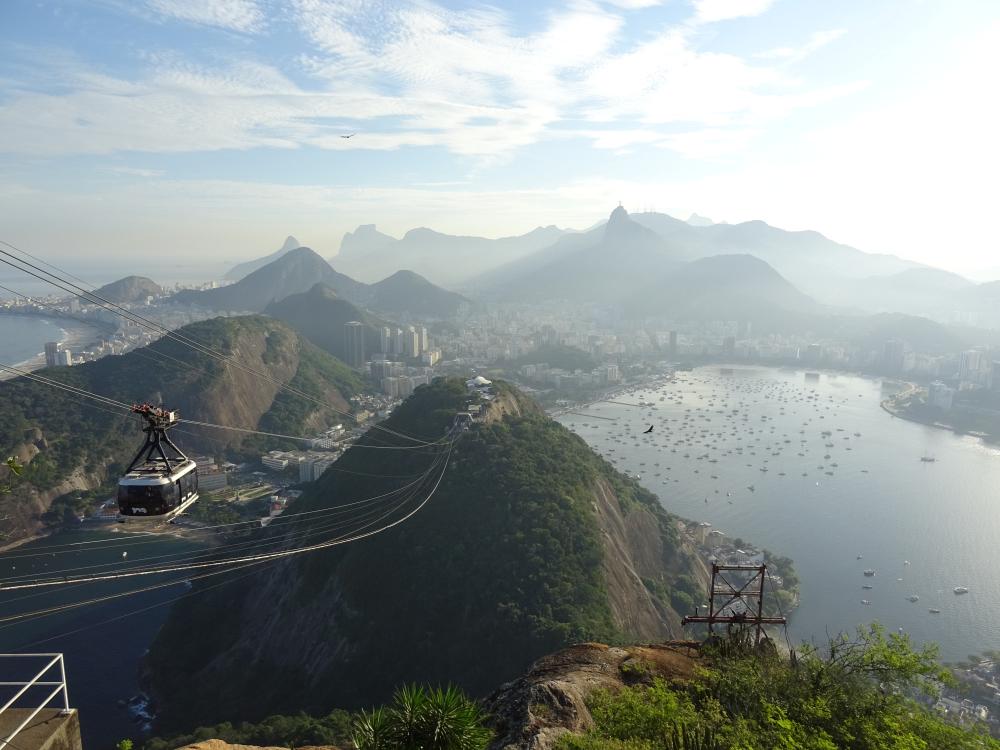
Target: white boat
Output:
{"points": [[961, 590]]}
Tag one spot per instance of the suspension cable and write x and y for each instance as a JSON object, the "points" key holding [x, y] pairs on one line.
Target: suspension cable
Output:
{"points": [[233, 561]]}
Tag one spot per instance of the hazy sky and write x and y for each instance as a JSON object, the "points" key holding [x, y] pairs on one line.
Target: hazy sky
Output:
{"points": [[209, 129]]}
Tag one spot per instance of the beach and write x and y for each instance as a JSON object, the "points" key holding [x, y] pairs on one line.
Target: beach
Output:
{"points": [[74, 335]]}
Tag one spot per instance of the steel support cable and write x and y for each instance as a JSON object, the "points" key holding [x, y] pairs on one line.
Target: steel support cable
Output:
{"points": [[283, 524], [256, 560], [10, 620], [135, 317], [144, 352], [67, 387], [196, 592], [238, 560], [237, 526], [312, 530], [305, 440], [331, 528], [27, 616]]}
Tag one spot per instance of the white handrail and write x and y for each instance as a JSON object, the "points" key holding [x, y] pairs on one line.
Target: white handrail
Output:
{"points": [[36, 681]]}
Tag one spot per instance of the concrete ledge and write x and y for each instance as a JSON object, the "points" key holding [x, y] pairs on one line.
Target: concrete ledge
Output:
{"points": [[49, 730]]}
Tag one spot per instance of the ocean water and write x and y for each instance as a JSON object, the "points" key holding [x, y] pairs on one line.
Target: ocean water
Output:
{"points": [[924, 527], [104, 642], [24, 336]]}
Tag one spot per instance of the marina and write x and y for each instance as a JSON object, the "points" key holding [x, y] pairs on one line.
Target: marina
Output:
{"points": [[814, 469]]}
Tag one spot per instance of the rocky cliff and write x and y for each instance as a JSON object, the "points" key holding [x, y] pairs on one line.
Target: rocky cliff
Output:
{"points": [[532, 542]]}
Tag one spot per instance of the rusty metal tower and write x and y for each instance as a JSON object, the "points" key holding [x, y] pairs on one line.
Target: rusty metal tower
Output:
{"points": [[737, 603]]}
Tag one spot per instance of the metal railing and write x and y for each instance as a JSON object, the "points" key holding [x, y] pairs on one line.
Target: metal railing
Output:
{"points": [[54, 660]]}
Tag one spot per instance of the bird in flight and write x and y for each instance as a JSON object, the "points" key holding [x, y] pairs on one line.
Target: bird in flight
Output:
{"points": [[349, 136], [649, 430]]}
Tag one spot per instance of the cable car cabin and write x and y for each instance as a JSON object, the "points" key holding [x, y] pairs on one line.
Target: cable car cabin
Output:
{"points": [[161, 482], [149, 492]]}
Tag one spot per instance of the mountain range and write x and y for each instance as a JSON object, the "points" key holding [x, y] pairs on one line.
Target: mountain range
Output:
{"points": [[297, 271], [369, 254], [240, 270], [320, 314], [294, 272], [626, 264]]}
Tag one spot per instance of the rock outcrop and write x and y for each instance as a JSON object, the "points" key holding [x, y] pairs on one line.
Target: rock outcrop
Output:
{"points": [[534, 711]]}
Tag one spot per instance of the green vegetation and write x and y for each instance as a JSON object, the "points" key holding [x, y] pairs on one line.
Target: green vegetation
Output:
{"points": [[419, 717], [504, 565], [424, 718], [275, 731], [852, 695], [14, 469]]}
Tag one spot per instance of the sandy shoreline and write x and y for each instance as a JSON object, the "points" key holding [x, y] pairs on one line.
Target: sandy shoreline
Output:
{"points": [[75, 335]]}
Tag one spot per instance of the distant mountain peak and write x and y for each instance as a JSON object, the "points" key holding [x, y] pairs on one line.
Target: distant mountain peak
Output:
{"points": [[618, 215], [697, 220], [243, 270]]}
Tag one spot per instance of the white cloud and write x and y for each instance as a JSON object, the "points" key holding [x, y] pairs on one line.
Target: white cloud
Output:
{"points": [[136, 171], [413, 74], [236, 15], [816, 41], [710, 11]]}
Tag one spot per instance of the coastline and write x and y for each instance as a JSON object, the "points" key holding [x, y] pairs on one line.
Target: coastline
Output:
{"points": [[75, 335]]}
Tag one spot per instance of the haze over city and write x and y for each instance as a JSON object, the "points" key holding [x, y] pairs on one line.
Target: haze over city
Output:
{"points": [[209, 130]]}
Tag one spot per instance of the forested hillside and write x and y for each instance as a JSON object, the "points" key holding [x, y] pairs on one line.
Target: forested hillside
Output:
{"points": [[531, 542]]}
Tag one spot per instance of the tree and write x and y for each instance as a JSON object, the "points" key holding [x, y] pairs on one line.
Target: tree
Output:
{"points": [[15, 470]]}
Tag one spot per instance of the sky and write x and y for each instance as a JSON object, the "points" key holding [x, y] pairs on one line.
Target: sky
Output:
{"points": [[194, 132]]}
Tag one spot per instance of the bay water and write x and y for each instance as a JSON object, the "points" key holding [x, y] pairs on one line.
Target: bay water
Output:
{"points": [[860, 490]]}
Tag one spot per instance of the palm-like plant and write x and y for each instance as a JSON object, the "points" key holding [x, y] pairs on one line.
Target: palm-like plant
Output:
{"points": [[423, 719], [373, 730]]}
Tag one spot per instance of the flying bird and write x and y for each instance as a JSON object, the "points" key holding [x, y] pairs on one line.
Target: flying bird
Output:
{"points": [[648, 431], [349, 136]]}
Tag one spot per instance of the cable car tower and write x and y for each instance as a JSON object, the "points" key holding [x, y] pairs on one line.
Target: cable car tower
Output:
{"points": [[737, 603], [161, 482]]}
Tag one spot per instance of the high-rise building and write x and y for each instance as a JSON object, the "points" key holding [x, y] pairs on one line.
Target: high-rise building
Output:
{"points": [[673, 344], [425, 342], [52, 354], [411, 342], [729, 346], [64, 357], [354, 333], [893, 352], [974, 369], [397, 342], [940, 395], [390, 387], [385, 340], [380, 368]]}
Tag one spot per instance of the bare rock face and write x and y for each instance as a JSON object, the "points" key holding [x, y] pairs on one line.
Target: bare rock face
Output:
{"points": [[534, 711]]}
